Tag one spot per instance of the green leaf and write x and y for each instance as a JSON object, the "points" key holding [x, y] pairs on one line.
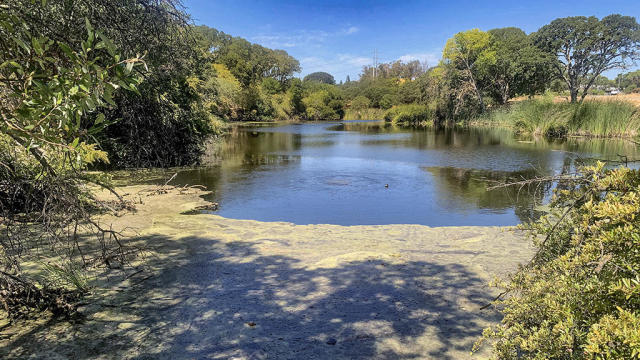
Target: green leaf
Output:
{"points": [[75, 142], [100, 118], [67, 50], [110, 47], [37, 46], [22, 44], [107, 95], [88, 24]]}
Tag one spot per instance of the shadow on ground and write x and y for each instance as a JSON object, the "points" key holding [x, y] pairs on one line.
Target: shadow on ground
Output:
{"points": [[225, 300]]}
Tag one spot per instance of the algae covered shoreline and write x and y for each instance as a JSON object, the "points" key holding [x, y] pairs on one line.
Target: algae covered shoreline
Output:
{"points": [[212, 287]]}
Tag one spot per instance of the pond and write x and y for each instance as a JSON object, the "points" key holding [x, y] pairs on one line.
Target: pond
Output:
{"points": [[363, 173]]}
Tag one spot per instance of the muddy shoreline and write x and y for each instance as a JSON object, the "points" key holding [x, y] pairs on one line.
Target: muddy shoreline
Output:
{"points": [[221, 288]]}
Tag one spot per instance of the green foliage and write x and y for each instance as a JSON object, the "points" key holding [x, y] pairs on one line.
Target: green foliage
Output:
{"points": [[271, 86], [166, 122], [321, 77], [373, 89], [579, 297], [296, 94], [253, 81], [585, 47], [606, 118], [520, 68], [226, 103], [412, 114], [360, 102], [324, 103], [545, 117], [411, 91], [249, 63], [387, 101], [53, 93], [394, 70], [468, 57], [364, 114], [629, 82], [67, 275]]}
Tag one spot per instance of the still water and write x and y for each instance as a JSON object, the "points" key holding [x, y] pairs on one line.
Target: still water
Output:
{"points": [[357, 173]]}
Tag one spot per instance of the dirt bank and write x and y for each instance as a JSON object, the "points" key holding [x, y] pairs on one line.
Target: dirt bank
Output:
{"points": [[224, 289]]}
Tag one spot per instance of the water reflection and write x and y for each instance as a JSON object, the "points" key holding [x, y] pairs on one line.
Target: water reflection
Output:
{"points": [[468, 189], [337, 172]]}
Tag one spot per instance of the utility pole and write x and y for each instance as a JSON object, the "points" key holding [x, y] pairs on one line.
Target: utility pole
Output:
{"points": [[375, 62]]}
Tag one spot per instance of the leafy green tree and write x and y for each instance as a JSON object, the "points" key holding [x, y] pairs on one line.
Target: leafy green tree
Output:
{"points": [[585, 47], [226, 102], [603, 82], [629, 81], [469, 55], [248, 62], [360, 103], [321, 77], [271, 86], [52, 93], [387, 101], [396, 69], [283, 68], [296, 94], [377, 89], [520, 68], [263, 74], [166, 123], [324, 102]]}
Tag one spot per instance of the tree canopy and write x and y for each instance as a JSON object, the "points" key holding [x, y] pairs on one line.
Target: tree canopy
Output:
{"points": [[585, 47], [519, 67], [321, 77]]}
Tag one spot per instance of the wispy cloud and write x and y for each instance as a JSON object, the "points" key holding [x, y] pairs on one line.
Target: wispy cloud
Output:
{"points": [[351, 30], [300, 38], [431, 59], [354, 60], [339, 66]]}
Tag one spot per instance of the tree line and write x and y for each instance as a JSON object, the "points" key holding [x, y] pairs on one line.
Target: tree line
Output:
{"points": [[482, 69]]}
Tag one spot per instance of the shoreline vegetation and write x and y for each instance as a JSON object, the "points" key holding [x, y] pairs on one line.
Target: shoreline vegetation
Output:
{"points": [[550, 116], [545, 117]]}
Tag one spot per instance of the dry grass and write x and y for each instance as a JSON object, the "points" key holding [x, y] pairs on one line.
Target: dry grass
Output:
{"points": [[633, 98]]}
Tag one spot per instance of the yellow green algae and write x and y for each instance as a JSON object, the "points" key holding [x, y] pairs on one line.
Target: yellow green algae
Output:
{"points": [[220, 288]]}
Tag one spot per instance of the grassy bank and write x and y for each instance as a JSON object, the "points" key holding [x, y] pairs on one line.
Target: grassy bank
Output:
{"points": [[543, 116], [410, 115], [364, 114]]}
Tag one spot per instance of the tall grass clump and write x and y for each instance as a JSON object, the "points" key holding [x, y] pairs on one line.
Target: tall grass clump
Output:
{"points": [[543, 116], [605, 118], [364, 114], [412, 115], [498, 117]]}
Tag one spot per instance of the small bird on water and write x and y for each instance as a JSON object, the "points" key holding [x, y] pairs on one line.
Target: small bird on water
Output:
{"points": [[386, 185]]}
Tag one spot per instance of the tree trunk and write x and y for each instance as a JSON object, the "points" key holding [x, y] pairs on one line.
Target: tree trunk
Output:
{"points": [[505, 94], [574, 95]]}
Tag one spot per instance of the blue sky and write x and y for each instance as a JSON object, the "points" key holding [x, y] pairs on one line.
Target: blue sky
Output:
{"points": [[339, 37]]}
